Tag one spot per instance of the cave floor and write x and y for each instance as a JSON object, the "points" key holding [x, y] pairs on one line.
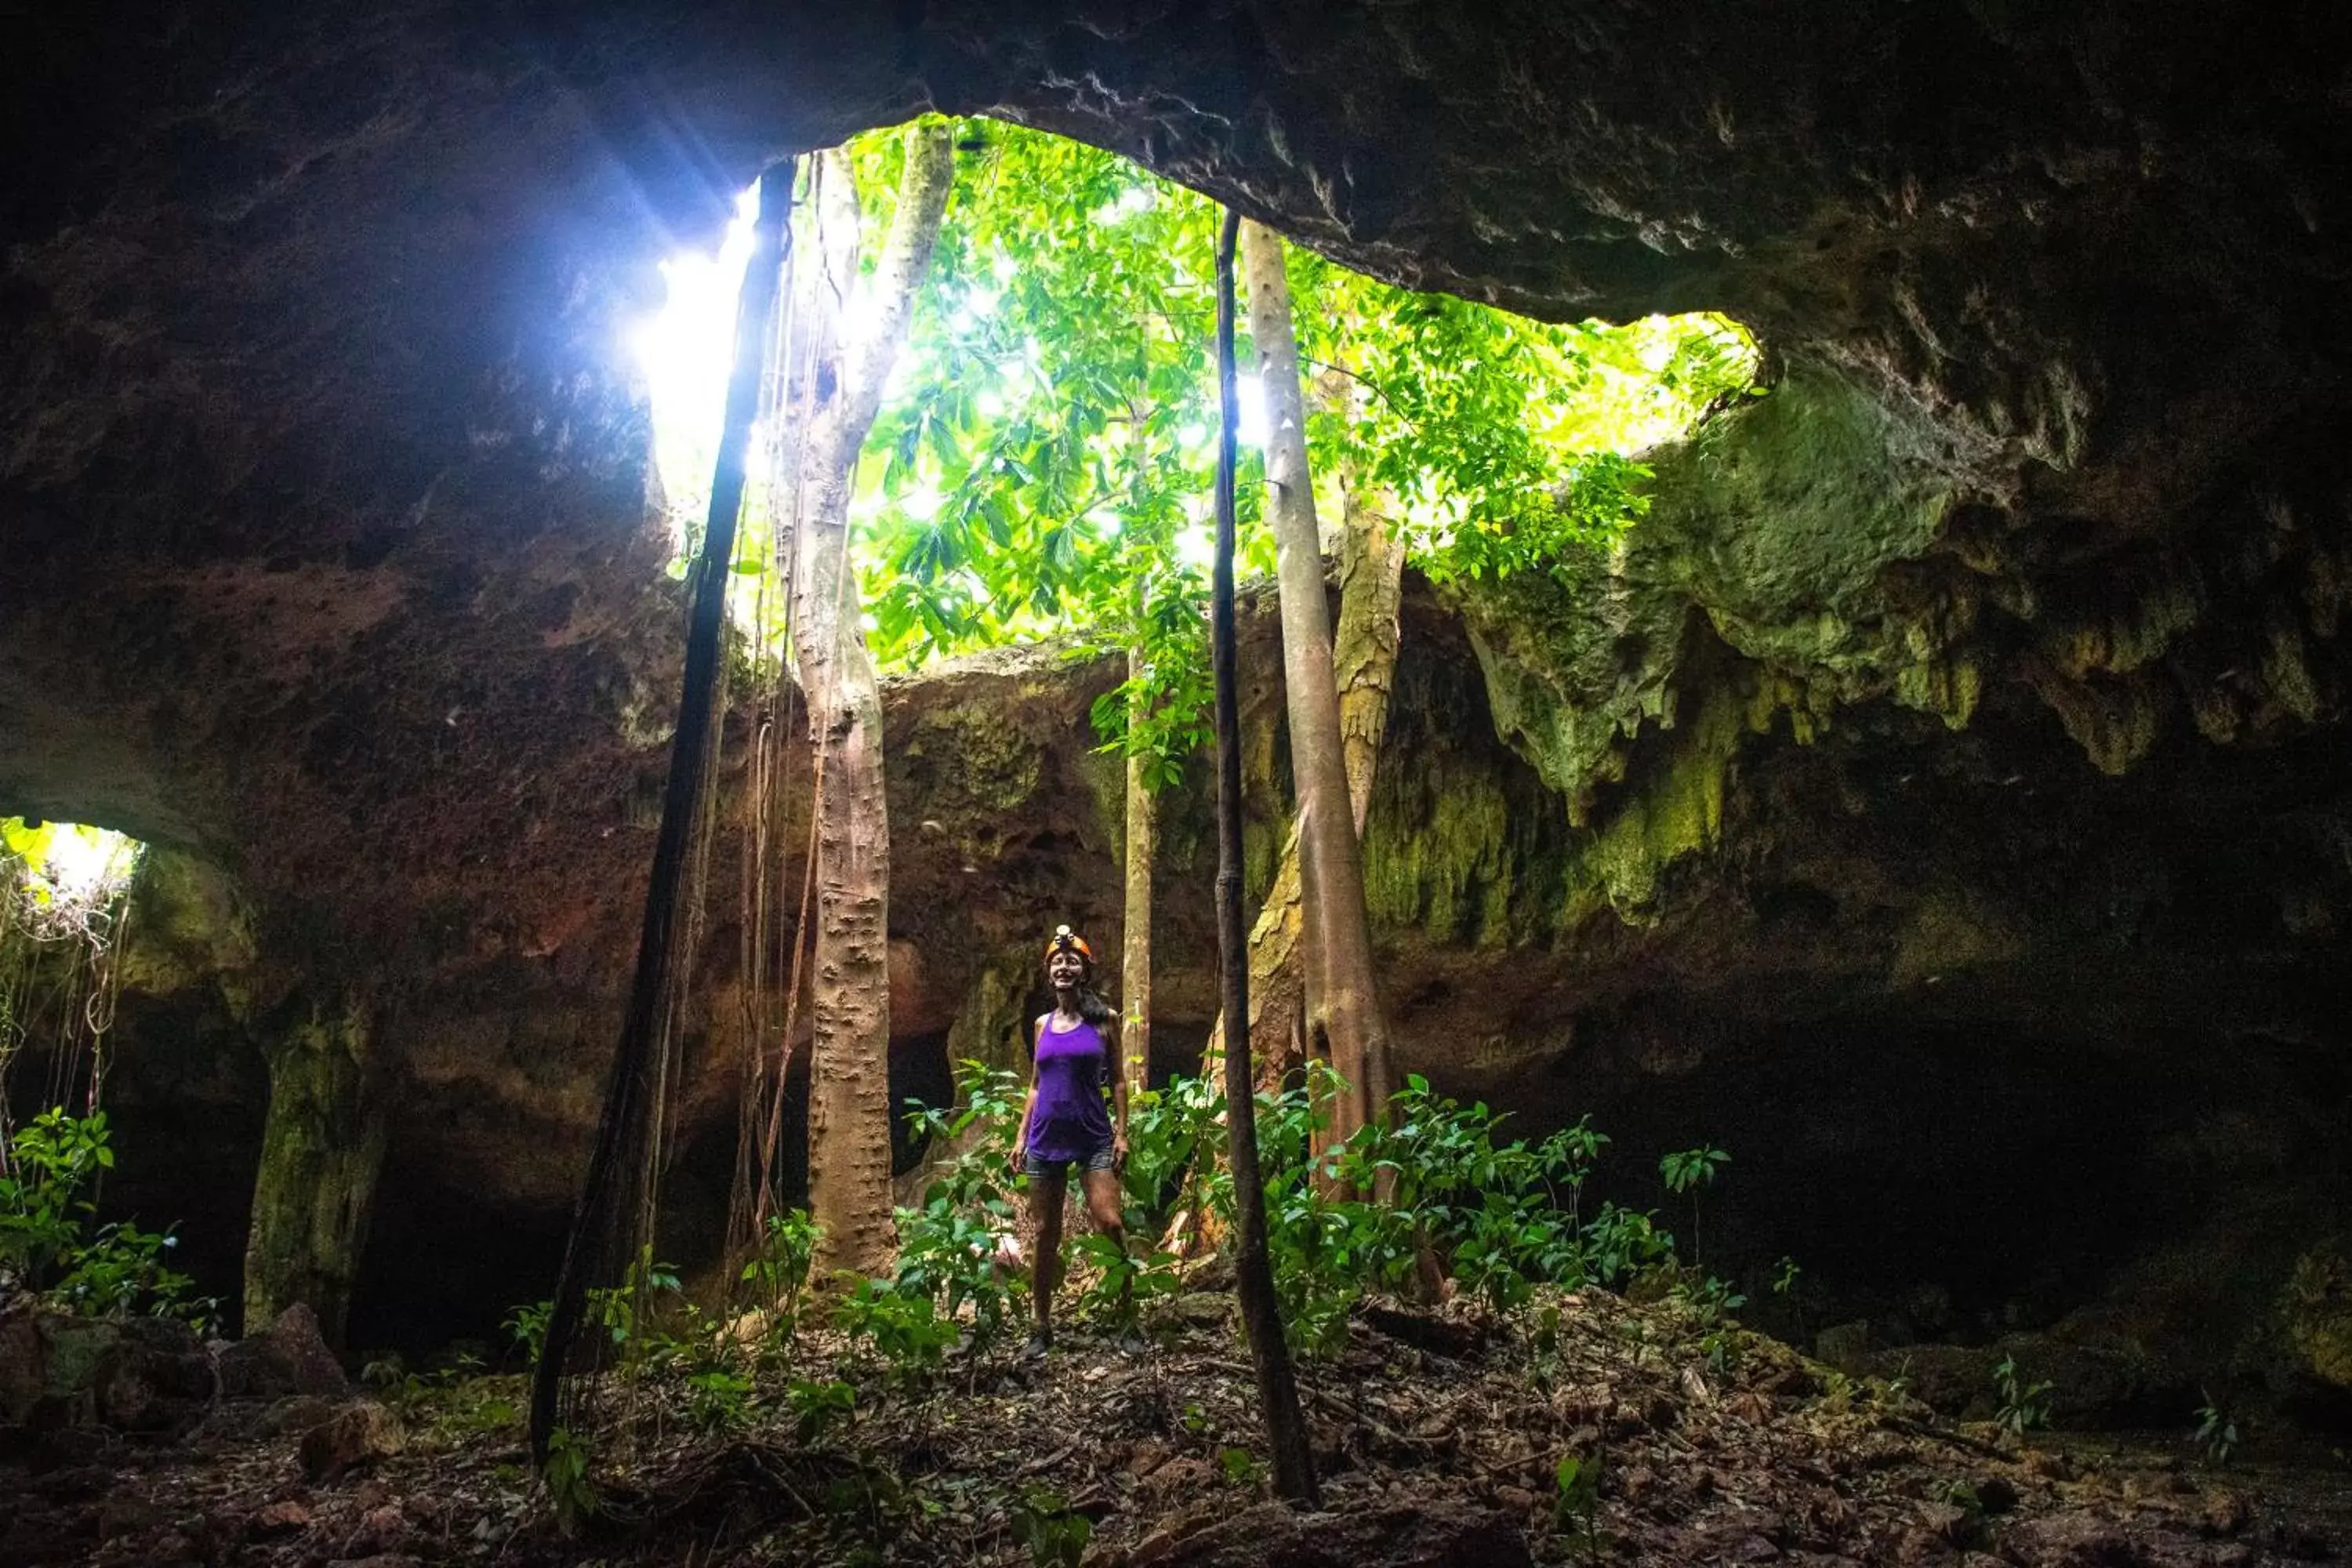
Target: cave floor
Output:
{"points": [[1438, 1435]]}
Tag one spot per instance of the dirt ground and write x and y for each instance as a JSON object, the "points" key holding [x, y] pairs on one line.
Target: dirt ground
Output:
{"points": [[1439, 1437]]}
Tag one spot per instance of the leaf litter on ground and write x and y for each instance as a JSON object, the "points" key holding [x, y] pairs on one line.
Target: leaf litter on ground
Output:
{"points": [[1442, 1436]]}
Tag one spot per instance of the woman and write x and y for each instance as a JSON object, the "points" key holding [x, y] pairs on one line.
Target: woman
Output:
{"points": [[1064, 1122]]}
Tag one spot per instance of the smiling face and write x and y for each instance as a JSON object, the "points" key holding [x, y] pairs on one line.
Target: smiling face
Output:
{"points": [[1065, 970]]}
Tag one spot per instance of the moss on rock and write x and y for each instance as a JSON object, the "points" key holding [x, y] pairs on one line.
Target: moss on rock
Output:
{"points": [[322, 1149], [2316, 1312]]}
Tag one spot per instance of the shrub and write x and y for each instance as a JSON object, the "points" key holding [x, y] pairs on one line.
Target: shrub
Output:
{"points": [[45, 1242]]}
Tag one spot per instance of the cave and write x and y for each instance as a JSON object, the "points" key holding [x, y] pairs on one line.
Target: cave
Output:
{"points": [[1939, 799]]}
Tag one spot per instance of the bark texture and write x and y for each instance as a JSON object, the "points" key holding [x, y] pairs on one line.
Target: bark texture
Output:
{"points": [[834, 393], [1134, 948], [1344, 1022], [1294, 1459], [321, 1150]]}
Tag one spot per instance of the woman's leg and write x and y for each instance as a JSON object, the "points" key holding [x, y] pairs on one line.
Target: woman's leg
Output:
{"points": [[1045, 1196], [1102, 1193]]}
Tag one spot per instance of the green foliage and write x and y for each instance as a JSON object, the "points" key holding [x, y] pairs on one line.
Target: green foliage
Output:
{"points": [[621, 1309], [1576, 1502], [816, 1407], [2217, 1432], [1692, 1168], [1043, 1521], [947, 1248], [1488, 1208], [527, 1326], [46, 1241], [1160, 712], [1051, 431], [570, 1491], [719, 1398], [62, 879], [900, 1327], [778, 1272], [1121, 1281], [1711, 1300], [415, 1392], [1687, 1171], [2023, 1405], [1239, 1466], [1042, 463], [1175, 1137]]}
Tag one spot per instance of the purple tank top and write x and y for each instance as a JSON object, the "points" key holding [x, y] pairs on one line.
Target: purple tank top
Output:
{"points": [[1070, 1120]]}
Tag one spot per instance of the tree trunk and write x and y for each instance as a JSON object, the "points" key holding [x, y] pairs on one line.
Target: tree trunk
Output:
{"points": [[321, 1150], [1371, 581], [836, 389], [1293, 1460], [1344, 1022], [1364, 653], [1135, 953]]}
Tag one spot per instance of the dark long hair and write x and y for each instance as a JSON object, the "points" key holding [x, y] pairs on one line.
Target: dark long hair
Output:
{"points": [[1093, 1008]]}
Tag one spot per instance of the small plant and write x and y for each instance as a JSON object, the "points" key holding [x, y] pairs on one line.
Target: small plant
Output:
{"points": [[901, 1328], [2216, 1433], [2024, 1406], [778, 1272], [527, 1326], [1710, 1300], [1620, 1242], [402, 1389], [1121, 1280], [1055, 1536], [570, 1492], [1544, 1336], [1687, 1171], [1576, 1502], [717, 1400], [1785, 1275], [1239, 1466], [815, 1406]]}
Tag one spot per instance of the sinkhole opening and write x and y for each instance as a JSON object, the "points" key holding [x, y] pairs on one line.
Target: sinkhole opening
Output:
{"points": [[64, 889], [62, 880], [1043, 462]]}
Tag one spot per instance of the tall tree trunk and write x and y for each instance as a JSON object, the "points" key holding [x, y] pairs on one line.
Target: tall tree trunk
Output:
{"points": [[837, 390], [1344, 1021], [1293, 1460], [321, 1150], [612, 1216], [1134, 948], [1364, 650]]}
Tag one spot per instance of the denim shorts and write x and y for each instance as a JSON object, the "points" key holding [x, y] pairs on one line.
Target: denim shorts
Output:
{"points": [[1102, 1158]]}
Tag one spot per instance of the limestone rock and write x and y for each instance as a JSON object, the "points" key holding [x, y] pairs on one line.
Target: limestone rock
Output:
{"points": [[288, 1357], [154, 1376], [2316, 1312], [140, 1374], [358, 1434]]}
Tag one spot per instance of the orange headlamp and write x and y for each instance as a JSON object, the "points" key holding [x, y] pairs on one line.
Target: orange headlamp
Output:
{"points": [[1067, 940]]}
